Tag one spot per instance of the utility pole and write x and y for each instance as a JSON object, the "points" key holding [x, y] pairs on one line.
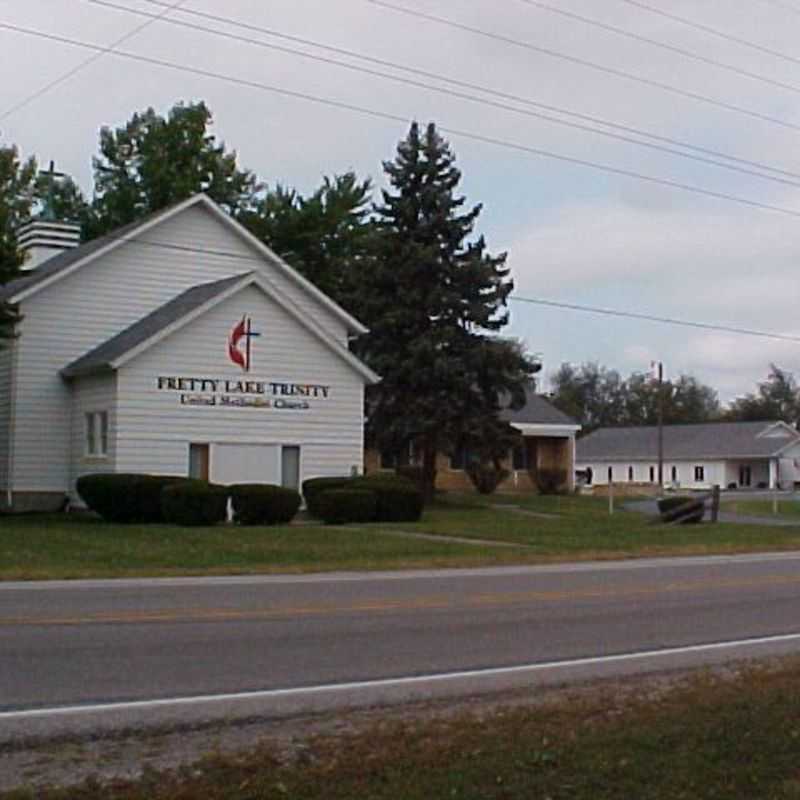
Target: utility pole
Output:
{"points": [[660, 428]]}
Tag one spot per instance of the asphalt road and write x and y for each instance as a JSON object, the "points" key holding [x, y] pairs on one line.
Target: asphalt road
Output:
{"points": [[102, 654]]}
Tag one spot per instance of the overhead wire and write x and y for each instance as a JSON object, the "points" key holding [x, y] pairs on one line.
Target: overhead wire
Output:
{"points": [[133, 239], [711, 30], [385, 115], [473, 86], [619, 73], [662, 45], [460, 95], [610, 312], [43, 90]]}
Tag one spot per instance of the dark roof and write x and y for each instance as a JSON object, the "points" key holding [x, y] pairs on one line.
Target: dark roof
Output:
{"points": [[102, 356], [62, 261], [537, 411], [707, 441]]}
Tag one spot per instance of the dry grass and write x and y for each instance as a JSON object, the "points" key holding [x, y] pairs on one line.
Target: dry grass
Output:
{"points": [[736, 738]]}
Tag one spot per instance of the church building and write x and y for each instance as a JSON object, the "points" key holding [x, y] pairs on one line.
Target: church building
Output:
{"points": [[177, 345]]}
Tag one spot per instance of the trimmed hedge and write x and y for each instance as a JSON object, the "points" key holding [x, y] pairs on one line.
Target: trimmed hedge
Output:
{"points": [[413, 473], [550, 481], [194, 502], [667, 504], [314, 486], [125, 497], [485, 478], [339, 506], [263, 504], [397, 498]]}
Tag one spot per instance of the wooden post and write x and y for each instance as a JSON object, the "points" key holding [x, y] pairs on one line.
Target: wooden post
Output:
{"points": [[610, 498], [715, 502]]}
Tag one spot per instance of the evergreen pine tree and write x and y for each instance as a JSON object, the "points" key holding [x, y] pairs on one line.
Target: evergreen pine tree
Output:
{"points": [[431, 299]]}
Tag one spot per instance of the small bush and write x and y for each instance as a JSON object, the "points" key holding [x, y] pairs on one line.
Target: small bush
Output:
{"points": [[194, 503], [486, 478], [314, 486], [339, 506], [667, 504], [550, 481], [263, 504], [397, 498], [413, 473], [125, 497]]}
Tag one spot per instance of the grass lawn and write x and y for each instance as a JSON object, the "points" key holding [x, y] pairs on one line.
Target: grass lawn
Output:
{"points": [[576, 527], [762, 508], [552, 529], [59, 546], [737, 739]]}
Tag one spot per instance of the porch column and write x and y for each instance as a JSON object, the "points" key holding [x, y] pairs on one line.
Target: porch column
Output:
{"points": [[773, 473], [571, 466]]}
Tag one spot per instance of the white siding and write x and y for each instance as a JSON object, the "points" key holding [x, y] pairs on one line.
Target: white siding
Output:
{"points": [[714, 472], [99, 300], [5, 413], [155, 430], [92, 394]]}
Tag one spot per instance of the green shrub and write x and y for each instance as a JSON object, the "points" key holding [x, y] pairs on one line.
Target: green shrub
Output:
{"points": [[314, 486], [397, 498], [486, 478], [339, 506], [263, 504], [549, 480], [670, 504], [125, 497], [414, 473], [194, 503]]}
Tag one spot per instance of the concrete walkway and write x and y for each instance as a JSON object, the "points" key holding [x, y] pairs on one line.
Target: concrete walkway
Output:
{"points": [[433, 537]]}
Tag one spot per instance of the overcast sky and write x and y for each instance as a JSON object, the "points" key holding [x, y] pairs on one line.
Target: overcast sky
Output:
{"points": [[573, 234]]}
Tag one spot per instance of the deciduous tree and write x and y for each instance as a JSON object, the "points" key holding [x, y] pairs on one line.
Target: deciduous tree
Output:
{"points": [[152, 162]]}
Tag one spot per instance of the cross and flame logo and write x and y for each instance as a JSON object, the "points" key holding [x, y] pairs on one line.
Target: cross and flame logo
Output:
{"points": [[236, 353]]}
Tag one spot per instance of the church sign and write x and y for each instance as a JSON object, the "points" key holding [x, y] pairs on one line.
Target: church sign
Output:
{"points": [[197, 391]]}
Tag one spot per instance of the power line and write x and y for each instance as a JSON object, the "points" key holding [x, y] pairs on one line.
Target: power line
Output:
{"points": [[83, 64], [653, 318], [784, 6], [171, 246], [473, 86], [712, 31], [460, 95], [589, 64], [662, 45], [385, 115]]}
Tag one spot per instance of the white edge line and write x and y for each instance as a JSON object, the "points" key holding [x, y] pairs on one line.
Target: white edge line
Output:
{"points": [[302, 691]]}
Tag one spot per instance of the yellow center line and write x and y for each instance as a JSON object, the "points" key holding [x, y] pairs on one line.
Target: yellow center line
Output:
{"points": [[433, 602]]}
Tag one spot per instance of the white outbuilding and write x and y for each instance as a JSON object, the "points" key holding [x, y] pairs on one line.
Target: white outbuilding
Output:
{"points": [[732, 455], [178, 345]]}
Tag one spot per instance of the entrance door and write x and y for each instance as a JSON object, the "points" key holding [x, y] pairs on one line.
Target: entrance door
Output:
{"points": [[290, 467], [198, 461], [745, 475]]}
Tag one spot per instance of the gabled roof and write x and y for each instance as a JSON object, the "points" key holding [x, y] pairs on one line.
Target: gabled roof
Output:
{"points": [[65, 263], [715, 440], [537, 411], [112, 350], [180, 311]]}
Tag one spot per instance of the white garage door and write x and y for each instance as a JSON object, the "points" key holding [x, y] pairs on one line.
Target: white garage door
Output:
{"points": [[246, 463]]}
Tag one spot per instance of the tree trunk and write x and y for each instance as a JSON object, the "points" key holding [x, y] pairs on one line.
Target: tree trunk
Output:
{"points": [[429, 452]]}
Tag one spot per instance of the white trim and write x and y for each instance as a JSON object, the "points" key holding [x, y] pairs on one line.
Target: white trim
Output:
{"points": [[410, 680], [537, 429], [352, 324], [275, 295]]}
